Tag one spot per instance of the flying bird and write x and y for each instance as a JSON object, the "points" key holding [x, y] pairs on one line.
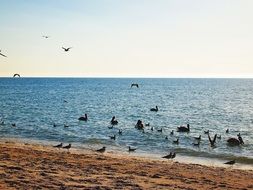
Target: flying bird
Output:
{"points": [[45, 36], [66, 49], [135, 84], [16, 75], [2, 54]]}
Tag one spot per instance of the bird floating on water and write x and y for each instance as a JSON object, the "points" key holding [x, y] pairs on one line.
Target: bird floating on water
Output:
{"points": [[183, 128], [131, 149], [154, 109], [114, 121], [83, 118], [176, 141], [235, 141]]}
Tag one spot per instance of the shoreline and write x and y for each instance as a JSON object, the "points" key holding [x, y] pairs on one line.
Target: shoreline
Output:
{"points": [[27, 166], [185, 159]]}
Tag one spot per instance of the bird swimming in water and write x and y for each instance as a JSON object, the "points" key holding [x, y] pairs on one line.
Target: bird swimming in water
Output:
{"points": [[206, 132], [58, 146], [172, 132], [131, 149], [120, 132], [176, 141], [154, 109], [114, 121], [113, 137], [66, 49], [13, 124], [183, 128], [234, 141], [227, 130], [198, 138], [166, 137], [160, 130], [67, 147], [147, 124], [135, 84], [212, 141], [65, 125], [152, 128], [196, 144], [83, 118], [101, 150], [232, 162], [2, 54]]}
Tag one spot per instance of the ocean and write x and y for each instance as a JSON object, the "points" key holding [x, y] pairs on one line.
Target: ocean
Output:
{"points": [[36, 104]]}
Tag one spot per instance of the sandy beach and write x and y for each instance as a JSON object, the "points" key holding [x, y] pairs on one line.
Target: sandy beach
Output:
{"points": [[30, 166]]}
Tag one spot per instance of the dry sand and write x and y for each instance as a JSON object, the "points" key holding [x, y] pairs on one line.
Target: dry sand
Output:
{"points": [[26, 166]]}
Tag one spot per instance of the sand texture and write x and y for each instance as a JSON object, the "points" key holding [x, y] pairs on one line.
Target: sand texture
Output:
{"points": [[26, 166]]}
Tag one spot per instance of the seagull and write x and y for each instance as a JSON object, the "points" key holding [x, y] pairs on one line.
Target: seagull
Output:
{"points": [[58, 146], [66, 49], [102, 150], [232, 162], [45, 36], [131, 149], [67, 147], [2, 54]]}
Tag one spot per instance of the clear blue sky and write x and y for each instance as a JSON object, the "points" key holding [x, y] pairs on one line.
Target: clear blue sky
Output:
{"points": [[162, 38]]}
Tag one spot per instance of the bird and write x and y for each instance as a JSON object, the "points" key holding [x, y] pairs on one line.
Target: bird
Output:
{"points": [[101, 150], [113, 121], [172, 132], [232, 162], [227, 130], [173, 155], [16, 75], [212, 141], [176, 141], [131, 149], [13, 124], [166, 137], [2, 54], [54, 125], [83, 118], [67, 147], [219, 137], [196, 144], [2, 122], [120, 132], [154, 109], [134, 84], [198, 138], [183, 128], [45, 36], [58, 146], [65, 125], [206, 132], [160, 130], [152, 128], [110, 127], [147, 124], [65, 101], [66, 49], [168, 156], [113, 137], [235, 141]]}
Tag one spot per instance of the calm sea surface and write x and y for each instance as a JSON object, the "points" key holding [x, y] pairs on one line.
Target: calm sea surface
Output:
{"points": [[35, 104]]}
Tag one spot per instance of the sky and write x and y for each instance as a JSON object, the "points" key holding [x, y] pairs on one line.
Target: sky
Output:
{"points": [[127, 38]]}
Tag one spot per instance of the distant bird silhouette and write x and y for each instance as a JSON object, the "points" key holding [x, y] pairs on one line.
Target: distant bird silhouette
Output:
{"points": [[58, 146], [65, 101], [120, 132], [227, 130], [183, 128], [135, 84], [172, 132], [131, 149], [66, 49], [16, 75], [101, 150], [212, 141], [176, 141], [65, 125], [110, 127], [67, 147], [114, 121], [152, 128], [83, 118], [13, 124], [160, 130], [196, 144], [45, 36], [219, 137], [113, 137], [168, 156], [198, 138], [2, 54], [54, 125], [232, 162], [154, 109], [166, 138], [206, 132], [147, 124]]}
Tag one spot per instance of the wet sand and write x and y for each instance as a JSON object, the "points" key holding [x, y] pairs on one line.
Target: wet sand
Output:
{"points": [[31, 166]]}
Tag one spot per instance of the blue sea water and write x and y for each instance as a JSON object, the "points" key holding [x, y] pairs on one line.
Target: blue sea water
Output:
{"points": [[35, 104]]}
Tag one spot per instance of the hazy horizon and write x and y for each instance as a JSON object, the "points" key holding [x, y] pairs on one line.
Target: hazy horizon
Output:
{"points": [[127, 39]]}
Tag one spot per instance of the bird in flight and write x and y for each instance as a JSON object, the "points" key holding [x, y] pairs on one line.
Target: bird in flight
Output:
{"points": [[2, 54], [66, 49], [16, 75], [45, 36]]}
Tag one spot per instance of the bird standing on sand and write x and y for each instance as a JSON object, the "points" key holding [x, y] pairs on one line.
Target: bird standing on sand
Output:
{"points": [[101, 150], [66, 49], [131, 149], [2, 54], [232, 162], [58, 146], [67, 147]]}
